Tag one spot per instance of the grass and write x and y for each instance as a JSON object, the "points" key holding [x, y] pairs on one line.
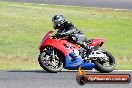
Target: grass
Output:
{"points": [[22, 26], [19, 63]]}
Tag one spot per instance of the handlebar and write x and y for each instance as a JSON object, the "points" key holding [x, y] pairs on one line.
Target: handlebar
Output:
{"points": [[59, 36]]}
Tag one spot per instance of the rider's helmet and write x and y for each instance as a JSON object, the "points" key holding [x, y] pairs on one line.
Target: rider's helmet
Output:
{"points": [[57, 20]]}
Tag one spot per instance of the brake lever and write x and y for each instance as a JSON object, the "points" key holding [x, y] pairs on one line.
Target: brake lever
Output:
{"points": [[55, 36]]}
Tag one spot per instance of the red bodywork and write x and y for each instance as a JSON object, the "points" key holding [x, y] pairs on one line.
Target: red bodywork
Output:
{"points": [[97, 41], [56, 43], [59, 44]]}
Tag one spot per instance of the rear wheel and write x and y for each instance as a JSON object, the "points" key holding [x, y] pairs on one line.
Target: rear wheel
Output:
{"points": [[105, 64], [50, 60]]}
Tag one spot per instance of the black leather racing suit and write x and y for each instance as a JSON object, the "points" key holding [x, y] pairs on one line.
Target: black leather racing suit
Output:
{"points": [[75, 36]]}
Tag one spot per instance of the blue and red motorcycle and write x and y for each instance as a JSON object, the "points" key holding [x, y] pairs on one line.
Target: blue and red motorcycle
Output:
{"points": [[57, 53]]}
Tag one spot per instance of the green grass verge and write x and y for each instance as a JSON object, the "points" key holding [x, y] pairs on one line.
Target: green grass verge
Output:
{"points": [[22, 26]]}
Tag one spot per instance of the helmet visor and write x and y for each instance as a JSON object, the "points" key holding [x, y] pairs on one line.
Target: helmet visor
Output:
{"points": [[56, 22]]}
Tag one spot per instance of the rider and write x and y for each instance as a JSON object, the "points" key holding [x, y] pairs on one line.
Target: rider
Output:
{"points": [[67, 28]]}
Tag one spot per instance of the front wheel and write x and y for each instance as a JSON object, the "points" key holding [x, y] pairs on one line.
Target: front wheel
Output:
{"points": [[105, 64], [50, 60]]}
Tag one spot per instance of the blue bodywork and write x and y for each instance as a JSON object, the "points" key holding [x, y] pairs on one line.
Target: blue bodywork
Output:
{"points": [[74, 62]]}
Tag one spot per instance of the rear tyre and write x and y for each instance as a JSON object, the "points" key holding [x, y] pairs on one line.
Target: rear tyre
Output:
{"points": [[50, 60], [100, 64]]}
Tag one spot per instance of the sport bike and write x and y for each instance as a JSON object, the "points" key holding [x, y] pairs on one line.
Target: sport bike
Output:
{"points": [[56, 53]]}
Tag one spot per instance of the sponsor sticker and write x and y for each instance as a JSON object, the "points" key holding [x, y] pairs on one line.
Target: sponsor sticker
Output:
{"points": [[83, 78]]}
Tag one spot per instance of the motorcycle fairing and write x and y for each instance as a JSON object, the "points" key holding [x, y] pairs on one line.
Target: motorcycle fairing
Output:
{"points": [[73, 62], [97, 41], [58, 44]]}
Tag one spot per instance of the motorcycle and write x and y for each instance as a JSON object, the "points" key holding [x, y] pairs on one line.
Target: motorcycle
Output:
{"points": [[56, 53]]}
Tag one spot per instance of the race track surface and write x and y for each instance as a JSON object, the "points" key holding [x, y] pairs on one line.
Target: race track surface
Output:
{"points": [[118, 4], [43, 79]]}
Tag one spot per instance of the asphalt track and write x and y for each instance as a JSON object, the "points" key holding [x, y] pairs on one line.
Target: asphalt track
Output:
{"points": [[118, 4], [43, 79]]}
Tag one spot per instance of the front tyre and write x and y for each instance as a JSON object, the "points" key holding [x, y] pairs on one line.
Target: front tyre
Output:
{"points": [[106, 64], [50, 60]]}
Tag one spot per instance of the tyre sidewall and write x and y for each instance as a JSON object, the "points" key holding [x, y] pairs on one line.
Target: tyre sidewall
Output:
{"points": [[103, 69], [40, 59]]}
